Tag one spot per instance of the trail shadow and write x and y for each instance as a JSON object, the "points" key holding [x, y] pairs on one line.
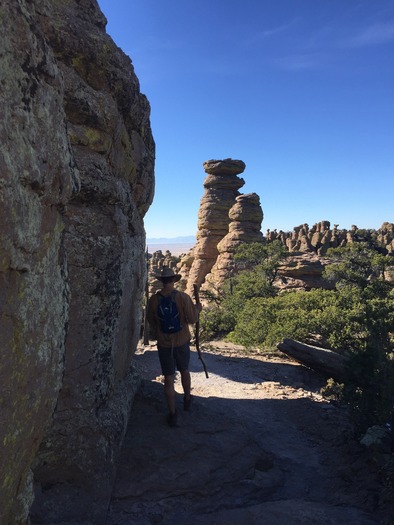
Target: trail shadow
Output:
{"points": [[235, 454], [247, 370]]}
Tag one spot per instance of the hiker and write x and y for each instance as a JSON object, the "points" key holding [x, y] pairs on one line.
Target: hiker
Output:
{"points": [[169, 313]]}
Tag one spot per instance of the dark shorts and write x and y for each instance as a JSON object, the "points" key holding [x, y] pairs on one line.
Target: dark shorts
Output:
{"points": [[178, 357]]}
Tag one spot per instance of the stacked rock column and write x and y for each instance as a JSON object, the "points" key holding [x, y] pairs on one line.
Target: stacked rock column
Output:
{"points": [[246, 217], [221, 189]]}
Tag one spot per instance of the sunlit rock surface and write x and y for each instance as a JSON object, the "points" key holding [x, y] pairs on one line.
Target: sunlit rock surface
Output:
{"points": [[246, 216], [220, 191]]}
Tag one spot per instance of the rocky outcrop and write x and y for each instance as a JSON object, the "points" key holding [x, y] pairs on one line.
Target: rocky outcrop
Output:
{"points": [[321, 237], [158, 260], [303, 272], [317, 239], [386, 236], [221, 188], [303, 269], [77, 161], [246, 217]]}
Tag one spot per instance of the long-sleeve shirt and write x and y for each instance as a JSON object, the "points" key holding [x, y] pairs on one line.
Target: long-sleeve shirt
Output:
{"points": [[188, 314]]}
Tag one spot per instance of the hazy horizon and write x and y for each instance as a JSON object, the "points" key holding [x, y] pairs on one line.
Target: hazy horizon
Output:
{"points": [[187, 239]]}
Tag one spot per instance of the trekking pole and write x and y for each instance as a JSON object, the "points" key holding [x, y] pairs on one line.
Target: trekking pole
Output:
{"points": [[197, 331], [146, 324]]}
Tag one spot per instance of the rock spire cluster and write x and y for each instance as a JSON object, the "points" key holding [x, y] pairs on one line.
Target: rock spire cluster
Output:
{"points": [[320, 237]]}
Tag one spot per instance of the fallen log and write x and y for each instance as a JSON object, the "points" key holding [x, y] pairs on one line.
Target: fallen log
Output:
{"points": [[328, 363]]}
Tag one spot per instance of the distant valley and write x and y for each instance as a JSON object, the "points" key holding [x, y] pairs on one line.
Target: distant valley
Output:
{"points": [[175, 245], [172, 240]]}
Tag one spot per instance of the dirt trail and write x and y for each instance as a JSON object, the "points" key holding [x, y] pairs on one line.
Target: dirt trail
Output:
{"points": [[260, 446]]}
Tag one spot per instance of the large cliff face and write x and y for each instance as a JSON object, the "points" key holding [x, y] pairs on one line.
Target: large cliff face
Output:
{"points": [[76, 162]]}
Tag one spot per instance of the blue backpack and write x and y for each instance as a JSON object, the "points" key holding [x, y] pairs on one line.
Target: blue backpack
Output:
{"points": [[168, 314]]}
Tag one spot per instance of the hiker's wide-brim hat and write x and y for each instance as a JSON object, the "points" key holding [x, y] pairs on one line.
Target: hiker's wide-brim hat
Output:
{"points": [[168, 272]]}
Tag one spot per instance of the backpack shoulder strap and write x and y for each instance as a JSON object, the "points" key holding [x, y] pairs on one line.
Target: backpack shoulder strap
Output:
{"points": [[161, 297]]}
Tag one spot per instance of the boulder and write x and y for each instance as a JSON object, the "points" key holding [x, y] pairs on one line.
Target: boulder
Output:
{"points": [[303, 271]]}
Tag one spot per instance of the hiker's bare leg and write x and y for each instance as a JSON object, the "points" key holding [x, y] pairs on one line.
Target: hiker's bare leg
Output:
{"points": [[186, 383], [169, 392]]}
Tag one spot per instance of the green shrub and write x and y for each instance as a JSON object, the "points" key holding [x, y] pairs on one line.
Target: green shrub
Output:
{"points": [[356, 319], [215, 323], [333, 391], [267, 321]]}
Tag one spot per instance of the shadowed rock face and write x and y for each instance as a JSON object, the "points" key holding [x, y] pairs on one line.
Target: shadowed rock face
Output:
{"points": [[76, 160], [37, 178]]}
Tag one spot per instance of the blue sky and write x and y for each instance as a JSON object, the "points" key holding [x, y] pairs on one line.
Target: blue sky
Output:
{"points": [[301, 90]]}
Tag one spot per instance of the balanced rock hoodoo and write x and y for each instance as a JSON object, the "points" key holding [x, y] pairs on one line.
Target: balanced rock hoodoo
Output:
{"points": [[221, 189]]}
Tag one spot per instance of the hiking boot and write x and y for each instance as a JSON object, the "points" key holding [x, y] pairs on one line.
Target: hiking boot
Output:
{"points": [[187, 403], [172, 419]]}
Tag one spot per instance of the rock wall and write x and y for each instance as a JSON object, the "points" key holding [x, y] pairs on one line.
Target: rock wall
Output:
{"points": [[37, 177], [76, 159]]}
